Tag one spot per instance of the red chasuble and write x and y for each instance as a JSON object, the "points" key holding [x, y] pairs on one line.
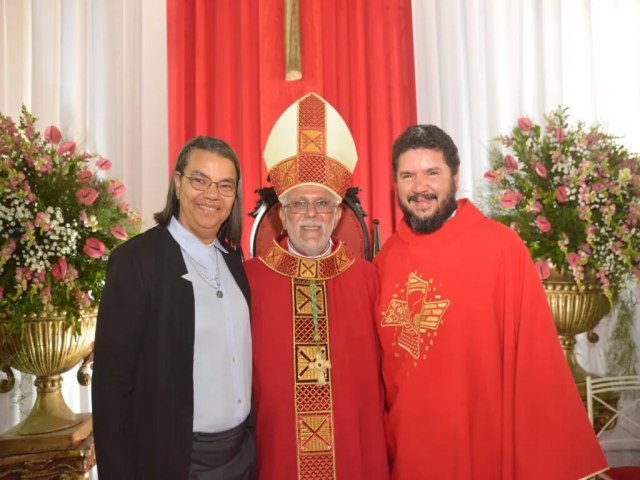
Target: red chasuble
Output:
{"points": [[477, 386], [316, 380]]}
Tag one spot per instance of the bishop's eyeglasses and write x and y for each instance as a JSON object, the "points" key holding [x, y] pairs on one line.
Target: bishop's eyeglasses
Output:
{"points": [[302, 206], [227, 188]]}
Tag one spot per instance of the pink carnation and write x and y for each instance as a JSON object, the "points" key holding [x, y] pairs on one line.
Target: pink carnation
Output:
{"points": [[52, 134], [94, 248], [86, 196], [543, 224]]}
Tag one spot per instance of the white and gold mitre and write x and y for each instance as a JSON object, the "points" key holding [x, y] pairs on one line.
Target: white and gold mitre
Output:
{"points": [[310, 144]]}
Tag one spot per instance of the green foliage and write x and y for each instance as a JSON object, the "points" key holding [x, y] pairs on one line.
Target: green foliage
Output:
{"points": [[572, 193], [59, 219]]}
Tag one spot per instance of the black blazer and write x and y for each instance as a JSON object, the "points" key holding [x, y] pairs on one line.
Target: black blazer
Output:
{"points": [[142, 388]]}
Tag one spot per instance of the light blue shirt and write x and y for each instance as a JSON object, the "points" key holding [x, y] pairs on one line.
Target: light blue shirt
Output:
{"points": [[222, 344]]}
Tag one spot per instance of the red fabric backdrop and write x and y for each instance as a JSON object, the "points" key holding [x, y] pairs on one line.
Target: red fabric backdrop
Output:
{"points": [[226, 79]]}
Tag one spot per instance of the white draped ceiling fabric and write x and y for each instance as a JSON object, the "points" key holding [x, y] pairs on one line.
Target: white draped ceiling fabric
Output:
{"points": [[481, 64], [97, 69]]}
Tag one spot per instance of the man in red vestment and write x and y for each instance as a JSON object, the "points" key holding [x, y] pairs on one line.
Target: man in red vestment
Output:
{"points": [[476, 383], [316, 382]]}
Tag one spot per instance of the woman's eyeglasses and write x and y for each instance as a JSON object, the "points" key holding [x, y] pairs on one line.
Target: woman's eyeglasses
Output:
{"points": [[226, 188]]}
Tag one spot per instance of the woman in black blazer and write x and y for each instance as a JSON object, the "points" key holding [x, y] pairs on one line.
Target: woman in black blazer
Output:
{"points": [[172, 365]]}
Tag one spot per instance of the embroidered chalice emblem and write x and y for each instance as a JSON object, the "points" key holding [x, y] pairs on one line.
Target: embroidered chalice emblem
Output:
{"points": [[415, 314]]}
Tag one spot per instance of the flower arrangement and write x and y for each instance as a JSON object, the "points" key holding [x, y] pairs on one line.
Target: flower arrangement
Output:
{"points": [[59, 219], [572, 193]]}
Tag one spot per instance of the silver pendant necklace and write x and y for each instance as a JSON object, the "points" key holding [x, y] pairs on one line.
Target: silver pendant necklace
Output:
{"points": [[212, 281]]}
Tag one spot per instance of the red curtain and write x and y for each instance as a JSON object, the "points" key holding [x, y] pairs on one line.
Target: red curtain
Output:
{"points": [[226, 79]]}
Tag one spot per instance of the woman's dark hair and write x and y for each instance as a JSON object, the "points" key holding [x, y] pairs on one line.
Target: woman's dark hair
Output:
{"points": [[427, 137], [231, 229]]}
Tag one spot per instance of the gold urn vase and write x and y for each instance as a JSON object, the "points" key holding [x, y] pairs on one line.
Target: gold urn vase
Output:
{"points": [[574, 311], [47, 349]]}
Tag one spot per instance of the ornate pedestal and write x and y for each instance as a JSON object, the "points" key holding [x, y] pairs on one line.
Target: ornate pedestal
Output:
{"points": [[66, 454], [574, 311]]}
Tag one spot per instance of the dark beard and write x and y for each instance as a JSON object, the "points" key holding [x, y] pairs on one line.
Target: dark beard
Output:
{"points": [[434, 221]]}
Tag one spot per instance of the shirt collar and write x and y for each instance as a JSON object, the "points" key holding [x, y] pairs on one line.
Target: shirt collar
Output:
{"points": [[192, 245], [326, 251]]}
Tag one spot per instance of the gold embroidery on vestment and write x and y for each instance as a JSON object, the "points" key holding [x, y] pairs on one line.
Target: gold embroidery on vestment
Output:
{"points": [[280, 260], [414, 313], [312, 380]]}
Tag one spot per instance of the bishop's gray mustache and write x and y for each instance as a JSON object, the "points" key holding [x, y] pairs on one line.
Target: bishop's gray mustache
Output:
{"points": [[424, 196]]}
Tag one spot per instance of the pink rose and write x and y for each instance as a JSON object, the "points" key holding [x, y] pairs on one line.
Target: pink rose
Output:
{"points": [[510, 199], [45, 295], [67, 148], [9, 248], [543, 224], [82, 298], [119, 232], [541, 170], [86, 196], [525, 124], [52, 134], [103, 164], [116, 189], [511, 162], [94, 248], [84, 176], [59, 269], [561, 194]]}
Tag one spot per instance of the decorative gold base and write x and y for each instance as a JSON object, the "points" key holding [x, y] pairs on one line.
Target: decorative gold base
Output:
{"points": [[66, 454], [579, 374], [46, 348], [12, 442], [50, 413], [575, 310]]}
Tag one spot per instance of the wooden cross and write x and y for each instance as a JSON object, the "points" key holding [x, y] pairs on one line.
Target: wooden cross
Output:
{"points": [[292, 57]]}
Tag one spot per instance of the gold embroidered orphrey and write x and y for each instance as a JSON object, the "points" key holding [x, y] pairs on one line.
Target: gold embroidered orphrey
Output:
{"points": [[414, 314], [313, 395], [312, 357]]}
